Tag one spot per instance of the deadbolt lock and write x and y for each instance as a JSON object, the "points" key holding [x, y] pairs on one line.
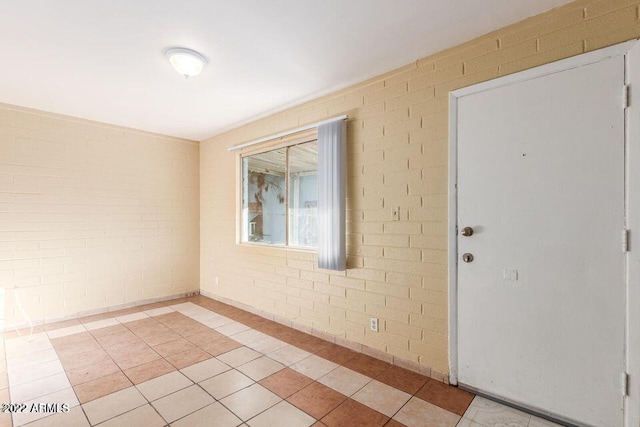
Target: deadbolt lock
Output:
{"points": [[467, 231], [467, 257]]}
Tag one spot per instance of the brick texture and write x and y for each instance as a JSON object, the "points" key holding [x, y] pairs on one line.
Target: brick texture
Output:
{"points": [[92, 215], [397, 146]]}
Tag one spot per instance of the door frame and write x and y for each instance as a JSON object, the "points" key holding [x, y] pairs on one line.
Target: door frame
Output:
{"points": [[631, 51]]}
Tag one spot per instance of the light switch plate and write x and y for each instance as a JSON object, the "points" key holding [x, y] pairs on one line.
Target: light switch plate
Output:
{"points": [[510, 274], [395, 213]]}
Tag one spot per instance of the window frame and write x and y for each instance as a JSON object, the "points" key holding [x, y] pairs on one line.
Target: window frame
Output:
{"points": [[285, 142]]}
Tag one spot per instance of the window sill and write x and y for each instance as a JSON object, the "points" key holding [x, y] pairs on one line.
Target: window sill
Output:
{"points": [[268, 245]]}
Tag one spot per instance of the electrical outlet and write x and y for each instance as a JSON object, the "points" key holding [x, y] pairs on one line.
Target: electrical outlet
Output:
{"points": [[395, 213], [374, 324], [217, 281]]}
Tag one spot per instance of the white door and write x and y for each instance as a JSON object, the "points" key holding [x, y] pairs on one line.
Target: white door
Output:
{"points": [[541, 308]]}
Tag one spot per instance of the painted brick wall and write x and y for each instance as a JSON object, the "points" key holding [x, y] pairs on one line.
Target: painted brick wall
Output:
{"points": [[92, 215], [397, 147]]}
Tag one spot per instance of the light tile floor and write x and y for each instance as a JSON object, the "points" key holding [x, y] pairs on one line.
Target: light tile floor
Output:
{"points": [[198, 362]]}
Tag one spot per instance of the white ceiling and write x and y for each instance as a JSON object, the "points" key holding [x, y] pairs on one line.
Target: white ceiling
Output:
{"points": [[103, 60]]}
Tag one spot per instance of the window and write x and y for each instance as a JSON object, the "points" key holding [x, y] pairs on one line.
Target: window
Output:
{"points": [[293, 190], [280, 195]]}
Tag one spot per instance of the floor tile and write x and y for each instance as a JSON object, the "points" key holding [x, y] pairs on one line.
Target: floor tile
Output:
{"points": [[417, 412], [108, 330], [286, 382], [283, 414], [76, 343], [61, 396], [394, 423], [148, 371], [143, 416], [29, 344], [37, 388], [314, 367], [88, 357], [74, 418], [226, 383], [101, 324], [221, 346], [63, 332], [34, 372], [125, 311], [260, 368], [239, 356], [203, 339], [166, 384], [159, 337], [173, 347], [403, 379], [337, 354], [250, 401], [188, 358], [217, 322], [182, 403], [148, 323], [317, 400], [159, 311], [352, 413], [91, 372], [267, 345], [19, 363], [289, 355], [232, 328], [100, 387], [131, 317], [68, 351], [312, 344], [137, 358], [62, 324], [250, 336], [206, 369], [468, 422], [72, 339], [94, 317], [188, 330], [168, 317], [112, 405], [381, 397], [214, 415], [367, 365], [344, 380], [445, 396], [490, 413], [123, 350], [116, 338]]}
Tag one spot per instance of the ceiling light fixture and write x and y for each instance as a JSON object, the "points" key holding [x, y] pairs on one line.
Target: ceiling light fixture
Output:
{"points": [[187, 62]]}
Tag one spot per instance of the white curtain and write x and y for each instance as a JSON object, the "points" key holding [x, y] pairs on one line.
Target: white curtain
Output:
{"points": [[332, 188]]}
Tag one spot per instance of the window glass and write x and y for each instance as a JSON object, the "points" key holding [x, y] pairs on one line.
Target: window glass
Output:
{"points": [[303, 194], [264, 197], [275, 198]]}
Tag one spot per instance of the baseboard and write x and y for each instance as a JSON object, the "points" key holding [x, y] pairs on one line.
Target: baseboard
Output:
{"points": [[99, 311], [355, 346]]}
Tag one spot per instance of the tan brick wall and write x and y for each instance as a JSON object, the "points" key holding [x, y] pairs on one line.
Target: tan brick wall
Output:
{"points": [[92, 215], [397, 147]]}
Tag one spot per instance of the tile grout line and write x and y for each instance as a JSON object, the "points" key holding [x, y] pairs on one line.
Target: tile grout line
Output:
{"points": [[317, 380], [183, 308], [313, 380]]}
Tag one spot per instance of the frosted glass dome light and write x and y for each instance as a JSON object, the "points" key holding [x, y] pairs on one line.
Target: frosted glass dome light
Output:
{"points": [[187, 62]]}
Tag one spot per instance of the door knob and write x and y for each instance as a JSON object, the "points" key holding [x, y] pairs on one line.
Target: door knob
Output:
{"points": [[467, 257], [467, 231]]}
